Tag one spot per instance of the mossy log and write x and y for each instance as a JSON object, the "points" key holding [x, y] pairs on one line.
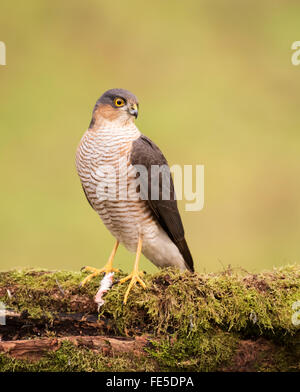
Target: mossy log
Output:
{"points": [[230, 321], [35, 349]]}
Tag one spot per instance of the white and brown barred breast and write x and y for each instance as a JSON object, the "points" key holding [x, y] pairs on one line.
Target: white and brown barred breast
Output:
{"points": [[102, 159]]}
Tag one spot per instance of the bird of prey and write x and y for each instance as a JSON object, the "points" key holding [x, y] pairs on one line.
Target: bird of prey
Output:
{"points": [[145, 224]]}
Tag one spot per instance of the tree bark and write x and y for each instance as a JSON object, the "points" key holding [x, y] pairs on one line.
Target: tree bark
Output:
{"points": [[34, 349]]}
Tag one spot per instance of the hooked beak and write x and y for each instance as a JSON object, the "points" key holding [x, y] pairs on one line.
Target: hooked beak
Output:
{"points": [[133, 110]]}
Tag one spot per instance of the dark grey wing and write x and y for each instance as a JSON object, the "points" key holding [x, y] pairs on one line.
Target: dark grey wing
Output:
{"points": [[145, 152]]}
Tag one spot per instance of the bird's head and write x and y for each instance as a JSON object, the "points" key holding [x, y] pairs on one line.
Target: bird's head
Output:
{"points": [[116, 105]]}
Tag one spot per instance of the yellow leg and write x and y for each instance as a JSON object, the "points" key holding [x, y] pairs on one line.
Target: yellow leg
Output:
{"points": [[106, 269], [134, 276]]}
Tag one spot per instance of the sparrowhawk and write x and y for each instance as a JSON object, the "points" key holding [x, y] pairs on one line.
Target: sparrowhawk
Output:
{"points": [[144, 224]]}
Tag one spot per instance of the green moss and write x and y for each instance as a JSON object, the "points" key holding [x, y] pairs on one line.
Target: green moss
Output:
{"points": [[42, 294], [199, 311], [69, 358], [197, 317], [229, 301], [202, 353], [256, 304]]}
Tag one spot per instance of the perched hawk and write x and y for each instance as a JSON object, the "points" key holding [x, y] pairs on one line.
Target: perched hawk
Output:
{"points": [[142, 224]]}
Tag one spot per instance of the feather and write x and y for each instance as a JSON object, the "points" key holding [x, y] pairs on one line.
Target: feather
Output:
{"points": [[145, 152]]}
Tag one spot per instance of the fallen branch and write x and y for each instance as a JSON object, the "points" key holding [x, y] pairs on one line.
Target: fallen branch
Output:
{"points": [[36, 348], [228, 321]]}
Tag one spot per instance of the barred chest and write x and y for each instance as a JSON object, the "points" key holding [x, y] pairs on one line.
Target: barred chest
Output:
{"points": [[107, 177]]}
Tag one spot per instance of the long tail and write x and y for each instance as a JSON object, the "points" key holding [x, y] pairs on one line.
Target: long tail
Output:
{"points": [[184, 250]]}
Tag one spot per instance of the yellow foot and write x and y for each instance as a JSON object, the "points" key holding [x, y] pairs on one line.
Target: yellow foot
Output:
{"points": [[95, 272], [134, 276]]}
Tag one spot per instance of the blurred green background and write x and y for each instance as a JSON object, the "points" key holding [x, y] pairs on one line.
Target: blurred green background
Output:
{"points": [[216, 87]]}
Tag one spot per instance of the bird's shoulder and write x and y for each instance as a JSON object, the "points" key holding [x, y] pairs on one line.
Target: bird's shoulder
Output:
{"points": [[145, 151]]}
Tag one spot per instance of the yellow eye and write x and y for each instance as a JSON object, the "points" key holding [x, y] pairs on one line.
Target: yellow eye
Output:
{"points": [[119, 102]]}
